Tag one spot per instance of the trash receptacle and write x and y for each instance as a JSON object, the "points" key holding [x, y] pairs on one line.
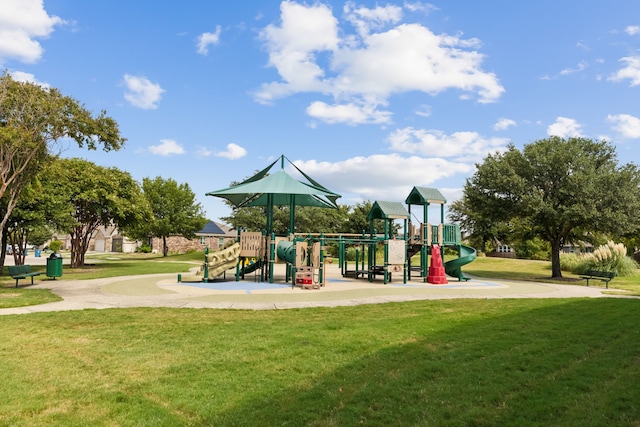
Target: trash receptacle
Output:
{"points": [[54, 265], [37, 251]]}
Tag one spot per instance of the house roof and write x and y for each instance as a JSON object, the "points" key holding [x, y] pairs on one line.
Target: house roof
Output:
{"points": [[211, 228]]}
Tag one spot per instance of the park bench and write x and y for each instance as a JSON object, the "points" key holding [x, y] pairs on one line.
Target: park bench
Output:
{"points": [[22, 272], [605, 276]]}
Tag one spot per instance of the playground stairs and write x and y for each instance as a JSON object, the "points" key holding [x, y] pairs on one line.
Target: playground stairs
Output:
{"points": [[436, 275]]}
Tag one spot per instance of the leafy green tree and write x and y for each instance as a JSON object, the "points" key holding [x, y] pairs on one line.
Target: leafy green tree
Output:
{"points": [[561, 190], [32, 120], [174, 211], [478, 225], [27, 222], [93, 196]]}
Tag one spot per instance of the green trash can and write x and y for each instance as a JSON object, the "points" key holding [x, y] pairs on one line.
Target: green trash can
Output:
{"points": [[54, 265]]}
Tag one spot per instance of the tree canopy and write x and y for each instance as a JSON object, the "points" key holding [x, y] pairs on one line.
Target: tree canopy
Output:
{"points": [[174, 211], [562, 190], [32, 119], [92, 196]]}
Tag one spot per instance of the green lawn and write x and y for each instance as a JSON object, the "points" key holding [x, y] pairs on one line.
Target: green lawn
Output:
{"points": [[451, 362], [540, 271]]}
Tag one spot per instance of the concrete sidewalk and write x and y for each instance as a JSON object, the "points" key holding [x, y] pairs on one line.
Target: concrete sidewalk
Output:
{"points": [[163, 290]]}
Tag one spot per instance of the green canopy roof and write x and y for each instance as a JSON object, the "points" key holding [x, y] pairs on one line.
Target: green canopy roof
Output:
{"points": [[283, 187], [278, 188], [387, 210], [424, 196]]}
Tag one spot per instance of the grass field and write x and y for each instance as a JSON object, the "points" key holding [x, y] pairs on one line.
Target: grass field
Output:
{"points": [[531, 362], [457, 362]]}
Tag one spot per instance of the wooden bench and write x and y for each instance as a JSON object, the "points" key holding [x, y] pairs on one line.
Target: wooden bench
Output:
{"points": [[605, 276], [22, 272]]}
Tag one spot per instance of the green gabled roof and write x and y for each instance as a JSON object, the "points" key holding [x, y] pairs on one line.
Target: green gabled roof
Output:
{"points": [[425, 195], [388, 210]]}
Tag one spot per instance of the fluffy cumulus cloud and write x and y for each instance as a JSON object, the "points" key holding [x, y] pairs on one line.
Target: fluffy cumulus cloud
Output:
{"points": [[349, 113], [207, 39], [629, 72], [462, 146], [382, 177], [233, 151], [626, 125], [565, 128], [504, 124], [22, 23], [167, 147], [141, 92], [632, 30], [362, 68]]}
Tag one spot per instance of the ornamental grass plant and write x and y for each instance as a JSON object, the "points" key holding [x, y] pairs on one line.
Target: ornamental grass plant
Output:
{"points": [[608, 257]]}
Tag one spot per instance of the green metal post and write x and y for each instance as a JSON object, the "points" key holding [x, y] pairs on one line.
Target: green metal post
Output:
{"points": [[206, 265], [386, 252], [272, 256], [406, 247]]}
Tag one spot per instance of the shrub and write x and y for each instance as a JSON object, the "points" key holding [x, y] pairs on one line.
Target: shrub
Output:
{"points": [[536, 249], [571, 262], [55, 245], [144, 248]]}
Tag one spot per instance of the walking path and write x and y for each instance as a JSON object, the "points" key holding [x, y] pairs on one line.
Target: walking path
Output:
{"points": [[163, 290]]}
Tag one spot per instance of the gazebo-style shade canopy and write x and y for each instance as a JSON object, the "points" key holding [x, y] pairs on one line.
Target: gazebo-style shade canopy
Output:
{"points": [[278, 189]]}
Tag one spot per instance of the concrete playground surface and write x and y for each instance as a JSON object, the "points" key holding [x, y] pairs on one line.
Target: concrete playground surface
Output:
{"points": [[164, 290]]}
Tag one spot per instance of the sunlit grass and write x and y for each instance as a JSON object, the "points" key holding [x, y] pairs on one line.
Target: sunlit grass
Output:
{"points": [[455, 362]]}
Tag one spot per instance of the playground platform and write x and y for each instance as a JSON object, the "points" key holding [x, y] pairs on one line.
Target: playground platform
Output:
{"points": [[163, 290]]}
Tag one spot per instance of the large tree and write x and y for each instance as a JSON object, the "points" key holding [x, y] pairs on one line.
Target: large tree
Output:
{"points": [[174, 211], [32, 119], [92, 196], [559, 189]]}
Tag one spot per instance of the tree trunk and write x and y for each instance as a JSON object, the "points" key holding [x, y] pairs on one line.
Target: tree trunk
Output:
{"points": [[556, 271], [165, 249]]}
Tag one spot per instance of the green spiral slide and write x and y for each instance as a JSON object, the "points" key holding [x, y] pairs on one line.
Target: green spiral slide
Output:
{"points": [[454, 267]]}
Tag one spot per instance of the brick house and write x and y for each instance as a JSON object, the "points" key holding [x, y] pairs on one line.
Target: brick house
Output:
{"points": [[104, 239], [214, 235]]}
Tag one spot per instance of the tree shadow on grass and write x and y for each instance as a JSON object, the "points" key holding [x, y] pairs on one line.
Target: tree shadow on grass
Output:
{"points": [[570, 364]]}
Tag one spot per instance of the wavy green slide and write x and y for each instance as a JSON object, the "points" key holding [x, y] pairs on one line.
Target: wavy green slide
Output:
{"points": [[454, 267]]}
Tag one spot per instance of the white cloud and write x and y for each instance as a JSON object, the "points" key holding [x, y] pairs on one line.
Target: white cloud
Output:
{"points": [[312, 54], [626, 125], [232, 152], [565, 128], [632, 30], [351, 114], [365, 19], [631, 71], [204, 152], [21, 76], [142, 93], [423, 110], [417, 6], [462, 146], [503, 124], [382, 177], [22, 22], [167, 147], [206, 39], [581, 67]]}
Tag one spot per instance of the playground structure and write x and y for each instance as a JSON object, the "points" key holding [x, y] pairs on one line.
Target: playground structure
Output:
{"points": [[404, 254], [416, 239]]}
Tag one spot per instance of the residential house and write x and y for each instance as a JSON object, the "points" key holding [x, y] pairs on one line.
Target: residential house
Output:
{"points": [[214, 235]]}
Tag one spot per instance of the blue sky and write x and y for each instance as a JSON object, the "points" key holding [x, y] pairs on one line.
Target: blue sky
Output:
{"points": [[369, 98]]}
